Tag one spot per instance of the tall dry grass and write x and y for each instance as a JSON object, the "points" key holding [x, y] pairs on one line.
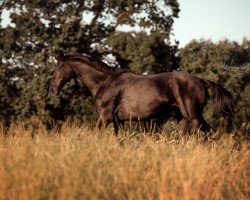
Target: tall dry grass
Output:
{"points": [[82, 164]]}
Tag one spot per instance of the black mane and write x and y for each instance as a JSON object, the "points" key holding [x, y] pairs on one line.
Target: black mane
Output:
{"points": [[94, 62]]}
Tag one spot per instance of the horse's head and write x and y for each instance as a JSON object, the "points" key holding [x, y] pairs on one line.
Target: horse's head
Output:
{"points": [[63, 73]]}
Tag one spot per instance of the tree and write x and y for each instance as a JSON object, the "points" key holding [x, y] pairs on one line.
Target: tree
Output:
{"points": [[143, 53]]}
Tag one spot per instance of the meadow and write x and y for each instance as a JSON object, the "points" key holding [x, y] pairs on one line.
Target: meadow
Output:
{"points": [[80, 163]]}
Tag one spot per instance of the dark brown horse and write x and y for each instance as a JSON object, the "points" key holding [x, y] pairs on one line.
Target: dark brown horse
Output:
{"points": [[121, 95]]}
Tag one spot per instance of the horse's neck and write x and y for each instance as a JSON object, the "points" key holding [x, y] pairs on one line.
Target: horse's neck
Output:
{"points": [[90, 77]]}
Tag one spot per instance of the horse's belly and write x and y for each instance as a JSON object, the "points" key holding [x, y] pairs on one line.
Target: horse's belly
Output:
{"points": [[142, 99], [140, 109]]}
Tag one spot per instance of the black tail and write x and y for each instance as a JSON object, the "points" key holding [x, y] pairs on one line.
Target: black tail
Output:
{"points": [[223, 101]]}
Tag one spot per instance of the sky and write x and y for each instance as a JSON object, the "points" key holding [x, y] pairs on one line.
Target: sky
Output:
{"points": [[212, 19], [208, 19]]}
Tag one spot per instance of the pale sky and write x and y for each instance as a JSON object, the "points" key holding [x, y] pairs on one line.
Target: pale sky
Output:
{"points": [[208, 19], [212, 19]]}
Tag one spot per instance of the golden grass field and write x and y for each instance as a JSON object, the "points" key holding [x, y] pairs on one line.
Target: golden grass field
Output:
{"points": [[79, 163]]}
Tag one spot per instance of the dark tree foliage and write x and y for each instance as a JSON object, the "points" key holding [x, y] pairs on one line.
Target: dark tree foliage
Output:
{"points": [[144, 53], [39, 28]]}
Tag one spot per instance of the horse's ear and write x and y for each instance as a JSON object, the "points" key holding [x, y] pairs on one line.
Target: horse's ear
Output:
{"points": [[60, 55]]}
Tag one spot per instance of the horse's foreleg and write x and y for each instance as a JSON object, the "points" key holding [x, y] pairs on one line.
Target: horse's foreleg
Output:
{"points": [[182, 126], [116, 127], [117, 124], [98, 123], [106, 114], [103, 121]]}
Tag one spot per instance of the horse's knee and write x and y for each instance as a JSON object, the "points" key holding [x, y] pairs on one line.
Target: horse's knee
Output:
{"points": [[197, 122], [98, 123], [104, 120], [182, 126]]}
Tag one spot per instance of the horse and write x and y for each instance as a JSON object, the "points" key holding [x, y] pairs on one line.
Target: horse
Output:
{"points": [[121, 95]]}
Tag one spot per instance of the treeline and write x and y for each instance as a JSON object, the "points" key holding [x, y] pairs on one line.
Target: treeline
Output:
{"points": [[38, 29]]}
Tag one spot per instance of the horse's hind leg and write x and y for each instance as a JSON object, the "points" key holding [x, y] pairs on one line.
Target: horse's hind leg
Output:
{"points": [[201, 123], [192, 112], [98, 124], [191, 106]]}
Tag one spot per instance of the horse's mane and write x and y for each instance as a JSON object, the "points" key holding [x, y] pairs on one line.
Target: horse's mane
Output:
{"points": [[94, 62]]}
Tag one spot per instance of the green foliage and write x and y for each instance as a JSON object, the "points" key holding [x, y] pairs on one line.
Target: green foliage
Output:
{"points": [[144, 53]]}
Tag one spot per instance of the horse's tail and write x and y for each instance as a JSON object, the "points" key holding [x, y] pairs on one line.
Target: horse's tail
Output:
{"points": [[223, 101]]}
